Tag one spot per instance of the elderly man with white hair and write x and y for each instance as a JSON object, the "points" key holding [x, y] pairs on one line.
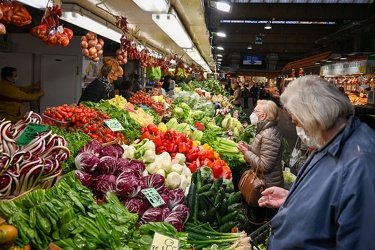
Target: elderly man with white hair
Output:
{"points": [[331, 204]]}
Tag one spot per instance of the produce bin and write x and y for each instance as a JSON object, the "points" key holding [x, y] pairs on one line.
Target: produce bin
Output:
{"points": [[259, 236]]}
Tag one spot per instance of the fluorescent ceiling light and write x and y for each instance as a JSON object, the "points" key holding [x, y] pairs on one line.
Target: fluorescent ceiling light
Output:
{"points": [[268, 26], [220, 5], [194, 54], [159, 6], [220, 48], [249, 47], [78, 16], [221, 34], [219, 59], [219, 55], [38, 4], [172, 26]]}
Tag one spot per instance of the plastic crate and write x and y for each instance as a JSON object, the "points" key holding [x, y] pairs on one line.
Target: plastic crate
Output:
{"points": [[50, 121], [259, 236]]}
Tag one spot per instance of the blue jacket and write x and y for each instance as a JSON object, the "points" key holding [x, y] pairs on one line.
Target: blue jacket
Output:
{"points": [[332, 203]]}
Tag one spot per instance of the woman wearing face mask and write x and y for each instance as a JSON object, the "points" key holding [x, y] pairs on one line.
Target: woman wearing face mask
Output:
{"points": [[12, 97], [331, 204], [265, 153], [102, 88]]}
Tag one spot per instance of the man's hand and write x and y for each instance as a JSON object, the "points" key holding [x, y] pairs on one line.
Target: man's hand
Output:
{"points": [[273, 197]]}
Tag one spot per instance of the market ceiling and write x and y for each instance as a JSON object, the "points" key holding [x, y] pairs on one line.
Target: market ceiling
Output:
{"points": [[339, 26]]}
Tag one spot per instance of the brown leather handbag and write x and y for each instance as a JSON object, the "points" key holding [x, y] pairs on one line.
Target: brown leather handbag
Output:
{"points": [[251, 186]]}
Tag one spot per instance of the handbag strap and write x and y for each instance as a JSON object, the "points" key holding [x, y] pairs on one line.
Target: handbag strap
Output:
{"points": [[259, 166]]}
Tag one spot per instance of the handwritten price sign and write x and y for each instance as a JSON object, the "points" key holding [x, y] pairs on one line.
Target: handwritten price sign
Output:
{"points": [[162, 242], [153, 197], [30, 131], [114, 125]]}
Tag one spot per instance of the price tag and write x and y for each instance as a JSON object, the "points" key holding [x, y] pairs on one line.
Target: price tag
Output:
{"points": [[193, 128], [162, 242], [30, 131], [114, 125], [153, 197]]}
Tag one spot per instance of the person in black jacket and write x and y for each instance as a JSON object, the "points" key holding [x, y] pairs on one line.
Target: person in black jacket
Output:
{"points": [[245, 96], [126, 89], [167, 83], [102, 87]]}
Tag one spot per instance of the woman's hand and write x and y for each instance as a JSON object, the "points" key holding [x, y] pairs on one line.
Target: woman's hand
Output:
{"points": [[273, 197], [242, 147]]}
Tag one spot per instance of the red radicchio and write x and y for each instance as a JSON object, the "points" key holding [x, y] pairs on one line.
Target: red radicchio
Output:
{"points": [[165, 199], [86, 162], [110, 151], [119, 148], [156, 181], [127, 185], [93, 147], [138, 167], [104, 183], [182, 211], [176, 197], [175, 221], [135, 205], [107, 165], [153, 214], [85, 178], [165, 214]]}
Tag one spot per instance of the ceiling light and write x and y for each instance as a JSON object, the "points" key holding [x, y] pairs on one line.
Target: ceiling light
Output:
{"points": [[219, 59], [194, 54], [328, 61], [158, 6], [221, 34], [172, 26], [343, 58], [268, 26], [250, 47], [219, 55], [220, 48], [38, 4], [220, 5], [78, 16]]}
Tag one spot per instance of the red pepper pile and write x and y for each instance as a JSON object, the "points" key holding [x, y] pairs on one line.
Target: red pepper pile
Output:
{"points": [[169, 141], [82, 119], [196, 156]]}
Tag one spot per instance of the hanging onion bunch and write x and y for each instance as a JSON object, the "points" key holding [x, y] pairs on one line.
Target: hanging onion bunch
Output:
{"points": [[49, 31], [92, 47]]}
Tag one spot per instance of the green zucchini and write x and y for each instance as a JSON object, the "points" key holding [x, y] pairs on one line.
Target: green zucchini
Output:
{"points": [[234, 207], [227, 226], [204, 188], [219, 198], [218, 183], [234, 197], [199, 180], [223, 207], [229, 217]]}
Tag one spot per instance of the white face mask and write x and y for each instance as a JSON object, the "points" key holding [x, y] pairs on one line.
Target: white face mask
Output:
{"points": [[254, 118], [308, 141], [15, 79]]}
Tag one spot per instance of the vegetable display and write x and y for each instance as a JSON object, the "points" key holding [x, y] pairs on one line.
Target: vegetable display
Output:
{"points": [[25, 167], [67, 215]]}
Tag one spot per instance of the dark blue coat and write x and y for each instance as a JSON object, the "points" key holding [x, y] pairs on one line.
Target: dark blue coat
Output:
{"points": [[332, 203]]}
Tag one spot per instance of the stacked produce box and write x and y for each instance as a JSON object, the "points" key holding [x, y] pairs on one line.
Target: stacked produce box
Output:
{"points": [[127, 173]]}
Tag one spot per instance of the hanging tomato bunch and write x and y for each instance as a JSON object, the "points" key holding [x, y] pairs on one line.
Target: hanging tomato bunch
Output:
{"points": [[92, 47], [49, 31]]}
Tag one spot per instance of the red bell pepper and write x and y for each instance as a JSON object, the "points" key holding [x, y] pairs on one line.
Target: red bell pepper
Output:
{"points": [[193, 166], [152, 128]]}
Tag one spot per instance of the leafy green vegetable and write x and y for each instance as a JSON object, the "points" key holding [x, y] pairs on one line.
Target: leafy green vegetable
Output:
{"points": [[209, 136], [152, 112], [75, 140]]}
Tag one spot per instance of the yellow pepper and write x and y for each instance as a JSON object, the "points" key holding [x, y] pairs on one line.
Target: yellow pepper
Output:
{"points": [[196, 143], [207, 147]]}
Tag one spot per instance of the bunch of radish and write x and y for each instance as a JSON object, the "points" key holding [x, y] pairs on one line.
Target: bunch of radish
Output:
{"points": [[92, 47]]}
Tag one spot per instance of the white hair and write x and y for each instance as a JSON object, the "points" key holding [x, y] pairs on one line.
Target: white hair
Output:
{"points": [[270, 109], [315, 103]]}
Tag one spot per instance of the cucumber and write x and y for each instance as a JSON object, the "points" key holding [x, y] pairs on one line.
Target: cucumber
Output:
{"points": [[218, 198], [218, 183], [202, 216], [234, 197], [209, 194], [234, 207], [206, 203], [204, 188], [223, 207], [229, 217], [196, 208], [241, 218], [211, 214], [199, 180], [227, 226]]}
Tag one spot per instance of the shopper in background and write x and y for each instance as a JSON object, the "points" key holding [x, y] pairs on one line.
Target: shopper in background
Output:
{"points": [[102, 87], [126, 89], [236, 97], [137, 85], [158, 88], [12, 97], [167, 83], [262, 93], [331, 204], [172, 86], [266, 151], [254, 93], [246, 95]]}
